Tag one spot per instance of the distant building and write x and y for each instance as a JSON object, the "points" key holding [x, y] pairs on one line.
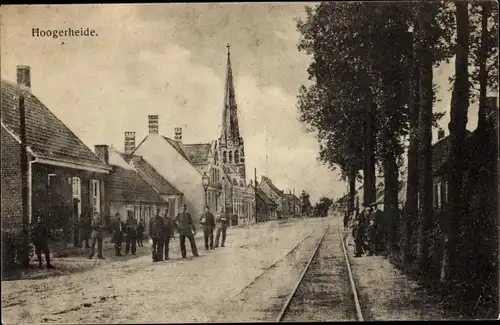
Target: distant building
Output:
{"points": [[274, 193], [66, 179], [266, 208], [292, 205]]}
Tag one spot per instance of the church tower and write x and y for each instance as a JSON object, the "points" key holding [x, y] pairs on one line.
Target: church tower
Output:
{"points": [[230, 150]]}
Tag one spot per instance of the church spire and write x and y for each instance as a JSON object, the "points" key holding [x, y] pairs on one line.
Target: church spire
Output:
{"points": [[230, 130]]}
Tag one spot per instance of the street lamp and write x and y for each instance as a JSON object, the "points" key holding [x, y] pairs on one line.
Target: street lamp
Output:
{"points": [[204, 180]]}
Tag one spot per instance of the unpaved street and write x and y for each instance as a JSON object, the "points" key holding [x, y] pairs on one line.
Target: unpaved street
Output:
{"points": [[192, 290]]}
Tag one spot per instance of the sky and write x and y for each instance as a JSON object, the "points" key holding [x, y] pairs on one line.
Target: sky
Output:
{"points": [[170, 60]]}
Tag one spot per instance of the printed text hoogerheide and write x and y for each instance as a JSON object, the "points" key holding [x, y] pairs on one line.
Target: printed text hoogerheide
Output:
{"points": [[68, 32]]}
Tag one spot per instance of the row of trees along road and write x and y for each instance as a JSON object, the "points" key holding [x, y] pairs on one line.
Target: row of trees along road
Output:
{"points": [[371, 98]]}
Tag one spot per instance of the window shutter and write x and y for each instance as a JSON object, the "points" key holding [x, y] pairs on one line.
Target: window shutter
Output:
{"points": [[91, 196], [435, 194]]}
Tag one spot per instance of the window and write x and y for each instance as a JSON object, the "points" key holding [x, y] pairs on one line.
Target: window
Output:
{"points": [[438, 187], [137, 212], [230, 156], [95, 192], [76, 187], [445, 192], [236, 157], [224, 157]]}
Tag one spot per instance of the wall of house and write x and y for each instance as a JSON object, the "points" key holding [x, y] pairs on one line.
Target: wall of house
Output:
{"points": [[55, 199], [273, 195], [142, 211], [176, 169], [11, 195]]}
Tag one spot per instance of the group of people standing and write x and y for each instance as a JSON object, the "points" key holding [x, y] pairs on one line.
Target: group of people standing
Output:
{"points": [[161, 230], [369, 231]]}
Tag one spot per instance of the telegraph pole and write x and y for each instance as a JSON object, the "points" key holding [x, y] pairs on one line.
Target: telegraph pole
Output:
{"points": [[255, 193]]}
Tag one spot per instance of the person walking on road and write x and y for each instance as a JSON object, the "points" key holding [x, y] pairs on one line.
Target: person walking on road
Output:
{"points": [[156, 233], [85, 230], [131, 231], [117, 230], [186, 228], [97, 236], [221, 223], [140, 233], [40, 237], [208, 221], [168, 232]]}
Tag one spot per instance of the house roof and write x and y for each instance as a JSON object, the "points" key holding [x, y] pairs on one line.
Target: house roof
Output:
{"points": [[177, 146], [272, 186], [46, 135], [264, 197], [125, 185], [440, 151], [150, 175], [197, 154]]}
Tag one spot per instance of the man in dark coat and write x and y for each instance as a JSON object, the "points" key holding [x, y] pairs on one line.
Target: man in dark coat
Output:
{"points": [[118, 228], [97, 236], [168, 232], [85, 229], [208, 221], [221, 223], [186, 228], [40, 237], [361, 233], [140, 233], [131, 233], [156, 233]]}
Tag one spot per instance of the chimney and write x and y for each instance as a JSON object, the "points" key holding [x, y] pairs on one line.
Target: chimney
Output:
{"points": [[178, 134], [23, 76], [440, 133], [102, 151], [129, 142], [153, 124]]}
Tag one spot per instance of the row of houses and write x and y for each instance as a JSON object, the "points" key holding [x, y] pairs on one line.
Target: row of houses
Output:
{"points": [[67, 180]]}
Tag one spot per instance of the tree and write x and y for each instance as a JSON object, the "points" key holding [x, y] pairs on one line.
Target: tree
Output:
{"points": [[322, 207], [457, 127], [306, 203]]}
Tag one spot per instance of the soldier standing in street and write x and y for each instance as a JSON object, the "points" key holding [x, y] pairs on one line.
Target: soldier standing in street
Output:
{"points": [[186, 228], [156, 233], [118, 234], [168, 232], [85, 230], [221, 223], [131, 231], [40, 237], [97, 236], [208, 221]]}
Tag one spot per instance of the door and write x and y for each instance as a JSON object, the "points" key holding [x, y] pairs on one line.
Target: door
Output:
{"points": [[76, 224]]}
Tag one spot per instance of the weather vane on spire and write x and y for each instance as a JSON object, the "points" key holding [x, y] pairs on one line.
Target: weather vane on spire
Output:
{"points": [[228, 48]]}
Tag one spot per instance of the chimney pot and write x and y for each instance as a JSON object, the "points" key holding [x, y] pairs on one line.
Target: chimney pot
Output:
{"points": [[153, 124], [23, 76], [102, 151], [129, 142], [178, 134], [441, 134]]}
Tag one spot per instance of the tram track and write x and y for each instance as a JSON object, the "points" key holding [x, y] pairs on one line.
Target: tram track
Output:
{"points": [[326, 289]]}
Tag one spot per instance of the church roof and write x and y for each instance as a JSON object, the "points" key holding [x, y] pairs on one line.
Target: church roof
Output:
{"points": [[230, 128], [197, 154], [46, 135]]}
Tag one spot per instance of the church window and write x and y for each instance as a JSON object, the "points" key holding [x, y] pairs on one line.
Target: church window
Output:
{"points": [[242, 152], [236, 156], [230, 156], [216, 157], [235, 182], [224, 159]]}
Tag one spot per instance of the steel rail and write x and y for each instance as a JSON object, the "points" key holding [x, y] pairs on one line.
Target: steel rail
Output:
{"points": [[289, 299], [359, 314]]}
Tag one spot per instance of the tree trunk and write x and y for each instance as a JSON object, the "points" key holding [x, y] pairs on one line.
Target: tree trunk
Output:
{"points": [[391, 210], [369, 186], [352, 188], [458, 122], [483, 73], [425, 60], [411, 205]]}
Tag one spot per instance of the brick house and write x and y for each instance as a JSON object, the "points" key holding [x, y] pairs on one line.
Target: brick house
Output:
{"points": [[266, 208], [66, 179]]}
